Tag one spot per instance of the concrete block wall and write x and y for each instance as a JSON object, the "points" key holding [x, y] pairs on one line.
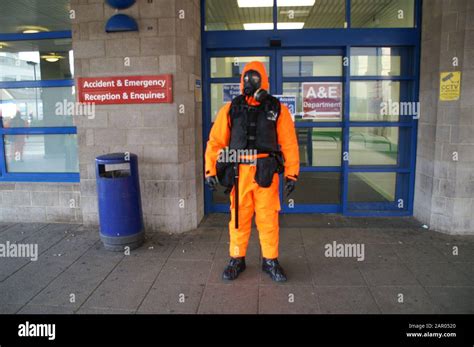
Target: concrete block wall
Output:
{"points": [[444, 189], [167, 142], [40, 202]]}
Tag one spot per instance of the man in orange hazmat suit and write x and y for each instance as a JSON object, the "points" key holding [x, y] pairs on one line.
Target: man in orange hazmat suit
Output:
{"points": [[255, 128]]}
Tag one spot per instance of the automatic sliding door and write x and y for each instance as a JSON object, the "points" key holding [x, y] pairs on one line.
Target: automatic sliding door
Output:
{"points": [[315, 80]]}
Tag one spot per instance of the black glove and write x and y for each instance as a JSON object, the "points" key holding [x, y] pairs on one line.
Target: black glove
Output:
{"points": [[211, 181], [289, 186]]}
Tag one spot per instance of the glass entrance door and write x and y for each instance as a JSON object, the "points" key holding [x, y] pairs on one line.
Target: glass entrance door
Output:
{"points": [[355, 156], [314, 78], [319, 138]]}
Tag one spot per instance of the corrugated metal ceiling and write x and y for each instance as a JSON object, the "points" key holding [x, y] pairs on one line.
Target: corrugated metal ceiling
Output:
{"points": [[51, 14]]}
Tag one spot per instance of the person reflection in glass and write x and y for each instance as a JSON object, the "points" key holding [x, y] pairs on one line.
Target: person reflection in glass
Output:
{"points": [[18, 141]]}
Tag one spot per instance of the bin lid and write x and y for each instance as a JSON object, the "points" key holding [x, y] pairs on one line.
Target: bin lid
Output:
{"points": [[115, 158]]}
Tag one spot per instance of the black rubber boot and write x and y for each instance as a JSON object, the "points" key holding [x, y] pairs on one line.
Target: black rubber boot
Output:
{"points": [[274, 269], [235, 267]]}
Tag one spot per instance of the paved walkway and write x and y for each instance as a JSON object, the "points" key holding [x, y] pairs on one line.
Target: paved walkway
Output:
{"points": [[406, 269]]}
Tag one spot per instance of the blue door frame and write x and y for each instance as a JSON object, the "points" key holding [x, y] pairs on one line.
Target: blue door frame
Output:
{"points": [[320, 42]]}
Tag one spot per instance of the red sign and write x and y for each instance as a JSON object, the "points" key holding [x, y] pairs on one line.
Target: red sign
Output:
{"points": [[322, 100], [126, 90]]}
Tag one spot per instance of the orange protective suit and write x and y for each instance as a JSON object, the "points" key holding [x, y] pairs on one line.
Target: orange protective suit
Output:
{"points": [[265, 202]]}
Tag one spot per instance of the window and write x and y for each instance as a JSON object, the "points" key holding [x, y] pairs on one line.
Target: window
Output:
{"points": [[41, 153], [382, 13], [226, 15], [312, 66], [318, 188], [369, 97], [36, 60], [28, 16], [320, 146], [38, 139], [233, 66], [349, 73], [239, 15], [381, 97], [373, 146], [372, 186], [229, 69], [37, 107], [311, 14]]}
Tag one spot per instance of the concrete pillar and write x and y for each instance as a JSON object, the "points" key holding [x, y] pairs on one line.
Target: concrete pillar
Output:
{"points": [[444, 189], [168, 143]]}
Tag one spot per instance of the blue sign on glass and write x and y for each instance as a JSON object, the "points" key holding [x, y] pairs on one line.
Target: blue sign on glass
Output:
{"points": [[230, 91], [290, 102]]}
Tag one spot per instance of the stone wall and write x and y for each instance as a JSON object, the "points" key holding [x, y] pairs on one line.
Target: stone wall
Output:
{"points": [[444, 190], [40, 202], [167, 142]]}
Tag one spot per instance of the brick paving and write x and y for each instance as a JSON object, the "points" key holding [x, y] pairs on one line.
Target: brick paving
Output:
{"points": [[182, 273]]}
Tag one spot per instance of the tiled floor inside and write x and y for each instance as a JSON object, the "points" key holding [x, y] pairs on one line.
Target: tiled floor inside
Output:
{"points": [[406, 269]]}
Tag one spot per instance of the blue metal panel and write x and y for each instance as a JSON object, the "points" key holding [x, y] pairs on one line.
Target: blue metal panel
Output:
{"points": [[205, 85], [382, 78], [312, 208], [377, 213], [40, 177], [224, 80], [380, 124], [313, 79], [320, 169], [348, 13], [345, 132], [3, 164], [416, 96], [324, 51], [44, 35], [38, 131], [318, 124], [369, 206], [310, 37], [37, 84], [378, 168]]}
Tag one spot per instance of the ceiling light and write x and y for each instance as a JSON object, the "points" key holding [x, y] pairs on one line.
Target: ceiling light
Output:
{"points": [[290, 25], [295, 3], [255, 3], [52, 58], [258, 26], [296, 13], [30, 31]]}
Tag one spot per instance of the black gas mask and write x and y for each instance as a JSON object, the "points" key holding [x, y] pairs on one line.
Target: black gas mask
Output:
{"points": [[253, 85]]}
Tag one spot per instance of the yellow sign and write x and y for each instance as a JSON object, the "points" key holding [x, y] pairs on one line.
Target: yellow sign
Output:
{"points": [[450, 86]]}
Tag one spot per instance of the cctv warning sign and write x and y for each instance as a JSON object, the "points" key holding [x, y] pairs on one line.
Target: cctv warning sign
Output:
{"points": [[322, 100], [450, 86]]}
